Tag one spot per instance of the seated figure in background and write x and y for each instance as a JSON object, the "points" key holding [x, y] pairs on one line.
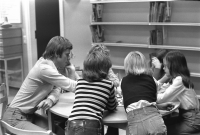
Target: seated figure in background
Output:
{"points": [[156, 63], [111, 75]]}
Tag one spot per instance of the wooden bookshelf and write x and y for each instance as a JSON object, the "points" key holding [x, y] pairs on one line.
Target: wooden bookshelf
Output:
{"points": [[126, 25]]}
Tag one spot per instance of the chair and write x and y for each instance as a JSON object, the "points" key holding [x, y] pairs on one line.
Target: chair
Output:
{"points": [[17, 131], [3, 104], [5, 126]]}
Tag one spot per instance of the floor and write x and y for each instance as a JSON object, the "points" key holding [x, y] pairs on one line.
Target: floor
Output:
{"points": [[13, 92]]}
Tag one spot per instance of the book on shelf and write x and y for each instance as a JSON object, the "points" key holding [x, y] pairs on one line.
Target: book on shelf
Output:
{"points": [[156, 37], [99, 9], [97, 33], [160, 11], [159, 37], [97, 12], [94, 13], [167, 12]]}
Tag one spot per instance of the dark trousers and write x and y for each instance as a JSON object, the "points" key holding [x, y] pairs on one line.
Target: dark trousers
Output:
{"points": [[84, 127], [112, 131], [188, 121]]}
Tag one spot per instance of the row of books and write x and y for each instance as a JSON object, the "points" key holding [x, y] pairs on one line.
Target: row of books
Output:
{"points": [[97, 33], [97, 12], [156, 37], [160, 12]]}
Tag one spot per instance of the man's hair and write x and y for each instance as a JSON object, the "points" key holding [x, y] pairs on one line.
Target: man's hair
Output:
{"points": [[56, 46], [135, 63], [96, 66]]}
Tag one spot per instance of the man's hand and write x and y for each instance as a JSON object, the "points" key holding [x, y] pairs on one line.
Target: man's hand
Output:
{"points": [[70, 69], [45, 104], [165, 106], [156, 63]]}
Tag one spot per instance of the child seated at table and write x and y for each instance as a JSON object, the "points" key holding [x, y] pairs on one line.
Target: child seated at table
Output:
{"points": [[156, 63], [180, 88], [94, 93], [139, 95]]}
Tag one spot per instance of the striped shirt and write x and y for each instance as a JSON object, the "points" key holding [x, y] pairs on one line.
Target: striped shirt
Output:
{"points": [[92, 98]]}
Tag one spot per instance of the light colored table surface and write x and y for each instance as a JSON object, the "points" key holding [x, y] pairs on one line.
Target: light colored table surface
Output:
{"points": [[64, 106]]}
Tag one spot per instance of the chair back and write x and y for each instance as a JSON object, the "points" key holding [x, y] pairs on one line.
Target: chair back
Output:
{"points": [[3, 103], [5, 126], [17, 131], [3, 99]]}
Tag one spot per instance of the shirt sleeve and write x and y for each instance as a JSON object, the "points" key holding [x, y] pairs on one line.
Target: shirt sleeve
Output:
{"points": [[113, 77], [112, 102], [55, 93], [172, 92], [52, 76]]}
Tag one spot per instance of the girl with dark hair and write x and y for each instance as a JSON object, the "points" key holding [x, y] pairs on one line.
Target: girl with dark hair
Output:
{"points": [[156, 63], [180, 88], [94, 93]]}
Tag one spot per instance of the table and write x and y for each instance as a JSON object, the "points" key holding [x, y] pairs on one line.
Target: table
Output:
{"points": [[116, 118]]}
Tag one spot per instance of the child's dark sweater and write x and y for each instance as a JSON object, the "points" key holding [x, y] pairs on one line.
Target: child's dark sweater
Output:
{"points": [[138, 87]]}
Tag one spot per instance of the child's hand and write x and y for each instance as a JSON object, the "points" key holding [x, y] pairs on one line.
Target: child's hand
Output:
{"points": [[156, 63], [165, 106]]}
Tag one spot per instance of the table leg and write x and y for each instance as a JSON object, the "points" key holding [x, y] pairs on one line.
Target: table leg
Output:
{"points": [[112, 131], [50, 121]]}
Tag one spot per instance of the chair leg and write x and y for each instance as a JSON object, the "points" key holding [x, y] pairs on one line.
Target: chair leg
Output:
{"points": [[2, 130]]}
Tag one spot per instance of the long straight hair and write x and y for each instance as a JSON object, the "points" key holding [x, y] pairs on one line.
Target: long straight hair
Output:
{"points": [[177, 65]]}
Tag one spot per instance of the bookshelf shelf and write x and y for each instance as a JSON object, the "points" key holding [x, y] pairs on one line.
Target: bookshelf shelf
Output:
{"points": [[150, 46], [123, 44], [174, 47], [147, 23], [122, 68], [123, 1], [139, 25]]}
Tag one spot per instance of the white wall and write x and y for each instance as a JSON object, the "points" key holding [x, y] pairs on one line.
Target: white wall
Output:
{"points": [[76, 27], [29, 41], [76, 21]]}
